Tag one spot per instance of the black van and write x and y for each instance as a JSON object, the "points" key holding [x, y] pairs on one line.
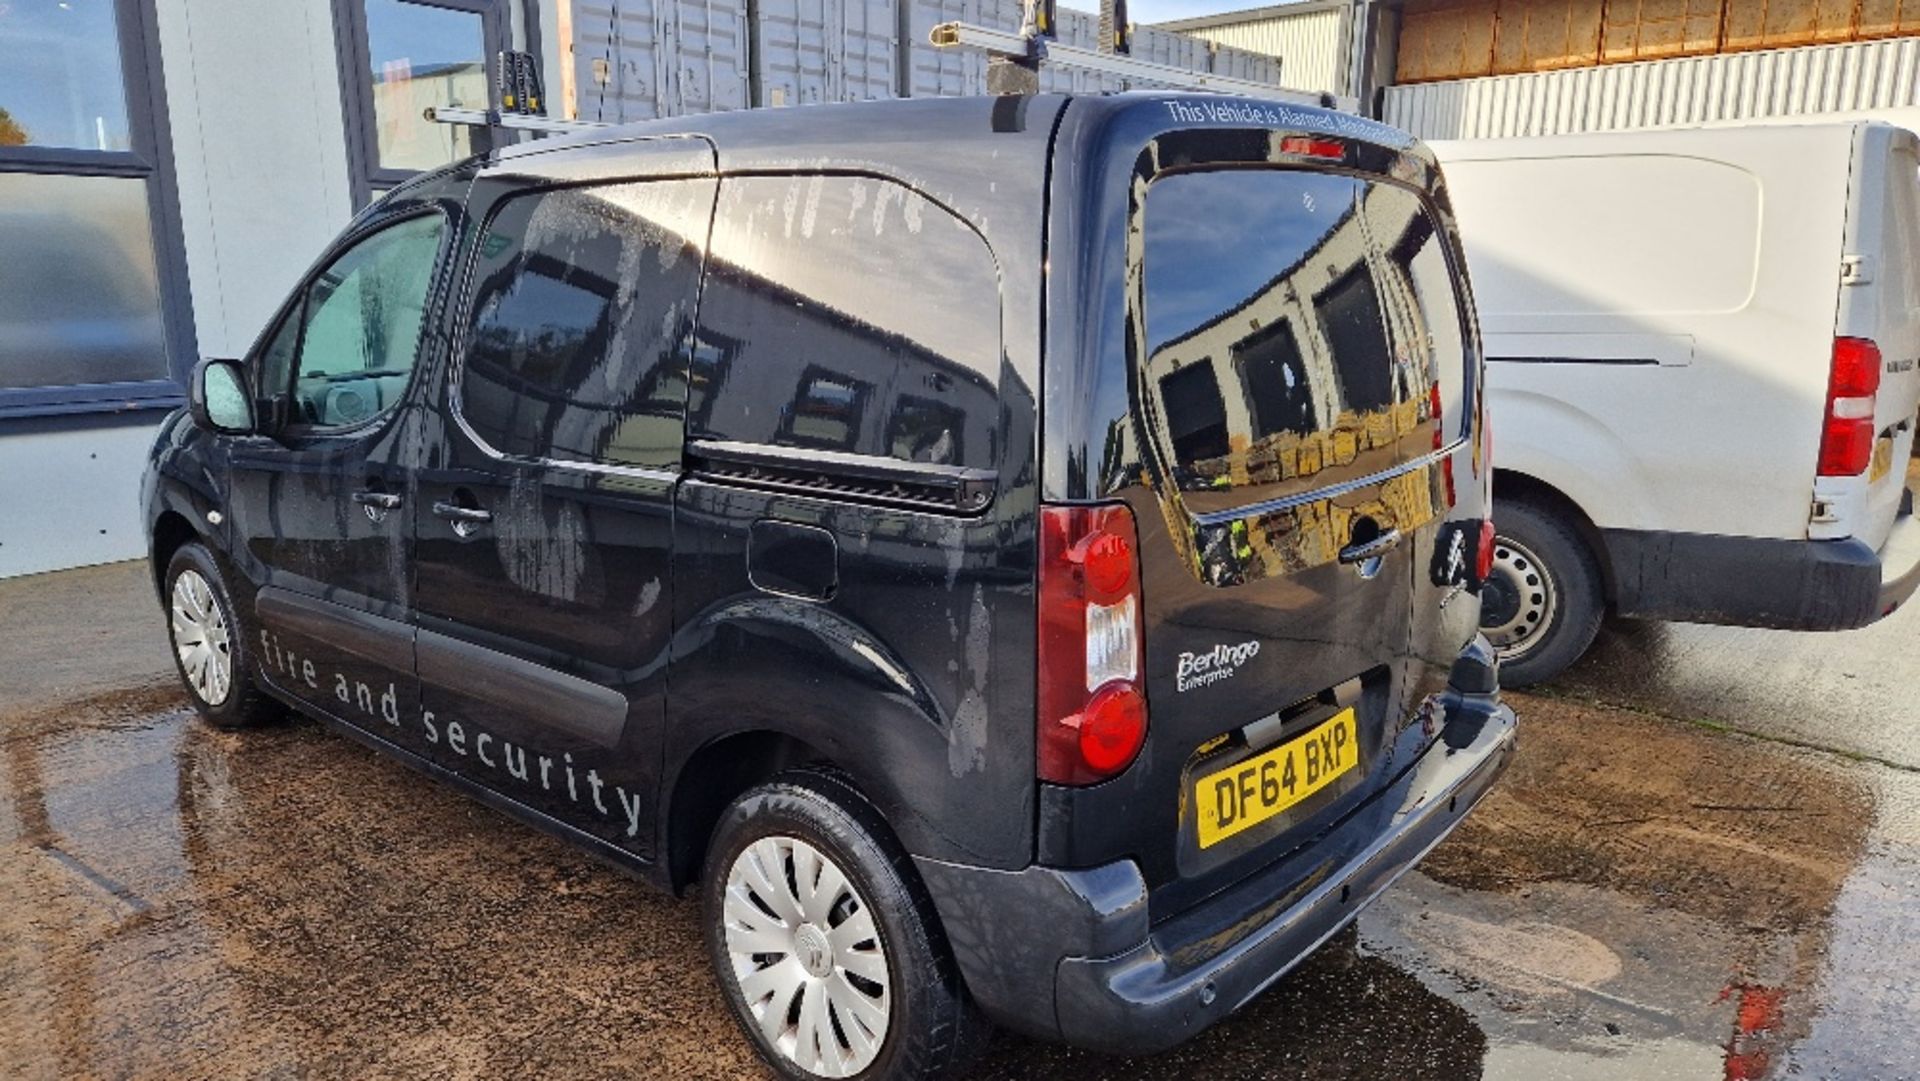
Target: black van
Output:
{"points": [[1016, 558]]}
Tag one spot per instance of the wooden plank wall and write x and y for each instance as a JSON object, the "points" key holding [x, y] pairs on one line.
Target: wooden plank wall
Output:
{"points": [[1458, 39]]}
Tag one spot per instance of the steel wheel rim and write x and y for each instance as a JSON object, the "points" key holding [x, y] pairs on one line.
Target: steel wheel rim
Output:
{"points": [[1536, 599], [200, 638], [807, 957]]}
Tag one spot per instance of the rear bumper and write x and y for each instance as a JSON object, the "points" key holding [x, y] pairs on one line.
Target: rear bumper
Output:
{"points": [[1807, 585], [1071, 955]]}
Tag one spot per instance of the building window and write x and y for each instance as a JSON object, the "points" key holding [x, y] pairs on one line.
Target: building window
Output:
{"points": [[398, 57], [92, 289], [64, 83]]}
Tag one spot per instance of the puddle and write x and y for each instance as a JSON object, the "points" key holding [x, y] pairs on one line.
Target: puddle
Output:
{"points": [[1640, 899]]}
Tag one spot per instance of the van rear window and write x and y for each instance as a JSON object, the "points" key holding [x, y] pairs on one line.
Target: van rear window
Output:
{"points": [[1301, 329]]}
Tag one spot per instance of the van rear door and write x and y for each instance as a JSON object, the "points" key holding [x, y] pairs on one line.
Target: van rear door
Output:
{"points": [[1292, 326], [1880, 301]]}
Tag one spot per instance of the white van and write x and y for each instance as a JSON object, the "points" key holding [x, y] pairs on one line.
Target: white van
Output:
{"points": [[1701, 349]]}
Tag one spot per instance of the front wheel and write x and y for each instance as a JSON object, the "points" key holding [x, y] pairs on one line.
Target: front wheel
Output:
{"points": [[1542, 605], [826, 945], [209, 649]]}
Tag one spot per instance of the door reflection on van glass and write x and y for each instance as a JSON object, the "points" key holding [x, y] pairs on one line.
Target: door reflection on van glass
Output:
{"points": [[1288, 345]]}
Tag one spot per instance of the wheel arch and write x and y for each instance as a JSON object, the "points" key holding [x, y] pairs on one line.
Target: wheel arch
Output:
{"points": [[172, 531], [716, 774], [1515, 486]]}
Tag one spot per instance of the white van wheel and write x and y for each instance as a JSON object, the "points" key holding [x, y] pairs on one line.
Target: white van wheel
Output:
{"points": [[1542, 604], [1519, 600]]}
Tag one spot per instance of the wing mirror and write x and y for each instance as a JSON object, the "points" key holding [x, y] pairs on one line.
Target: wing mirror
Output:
{"points": [[219, 398]]}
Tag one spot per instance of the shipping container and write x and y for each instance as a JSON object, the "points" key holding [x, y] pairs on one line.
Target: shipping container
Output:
{"points": [[640, 59], [809, 51]]}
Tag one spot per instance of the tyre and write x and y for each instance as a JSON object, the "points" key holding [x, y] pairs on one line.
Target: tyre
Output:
{"points": [[209, 650], [1542, 605], [824, 941]]}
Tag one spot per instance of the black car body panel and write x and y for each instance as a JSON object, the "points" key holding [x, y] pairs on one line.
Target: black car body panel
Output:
{"points": [[722, 448]]}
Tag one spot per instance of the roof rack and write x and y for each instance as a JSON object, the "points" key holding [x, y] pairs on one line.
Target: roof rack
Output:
{"points": [[1018, 56], [522, 98]]}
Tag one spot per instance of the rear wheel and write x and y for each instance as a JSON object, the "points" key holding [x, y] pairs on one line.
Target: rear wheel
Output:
{"points": [[209, 649], [825, 944], [1542, 605]]}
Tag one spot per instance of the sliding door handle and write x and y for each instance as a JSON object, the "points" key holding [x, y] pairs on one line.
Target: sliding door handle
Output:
{"points": [[466, 520], [376, 504]]}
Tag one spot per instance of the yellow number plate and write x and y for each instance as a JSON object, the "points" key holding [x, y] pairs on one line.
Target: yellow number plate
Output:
{"points": [[1242, 796]]}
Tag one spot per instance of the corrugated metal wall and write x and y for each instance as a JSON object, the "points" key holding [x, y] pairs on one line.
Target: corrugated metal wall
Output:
{"points": [[809, 51], [1690, 90], [1462, 39], [639, 59], [1309, 45]]}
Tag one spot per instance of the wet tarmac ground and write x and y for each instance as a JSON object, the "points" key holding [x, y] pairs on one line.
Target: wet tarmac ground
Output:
{"points": [[1703, 864]]}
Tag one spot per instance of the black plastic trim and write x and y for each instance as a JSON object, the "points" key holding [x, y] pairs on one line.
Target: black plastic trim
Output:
{"points": [[862, 478], [1630, 362], [384, 641], [533, 691], [1810, 585]]}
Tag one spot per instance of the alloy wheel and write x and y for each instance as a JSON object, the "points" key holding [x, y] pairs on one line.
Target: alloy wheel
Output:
{"points": [[807, 957]]}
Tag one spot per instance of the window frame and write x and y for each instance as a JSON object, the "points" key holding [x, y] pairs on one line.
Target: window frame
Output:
{"points": [[148, 159], [295, 307], [1431, 210], [366, 176]]}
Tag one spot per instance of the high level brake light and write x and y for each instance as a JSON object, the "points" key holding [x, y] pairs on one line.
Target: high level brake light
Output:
{"points": [[1308, 146], [1091, 705], [1846, 441]]}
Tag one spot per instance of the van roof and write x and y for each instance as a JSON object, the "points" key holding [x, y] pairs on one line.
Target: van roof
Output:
{"points": [[935, 138]]}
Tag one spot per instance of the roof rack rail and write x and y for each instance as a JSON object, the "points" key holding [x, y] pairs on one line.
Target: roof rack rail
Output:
{"points": [[500, 118], [1017, 57]]}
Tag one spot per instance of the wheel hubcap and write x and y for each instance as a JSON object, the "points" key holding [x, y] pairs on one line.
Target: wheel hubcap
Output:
{"points": [[200, 638], [807, 957], [1518, 602]]}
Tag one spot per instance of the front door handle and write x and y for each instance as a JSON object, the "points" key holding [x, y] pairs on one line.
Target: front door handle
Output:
{"points": [[376, 504], [466, 520], [1367, 551]]}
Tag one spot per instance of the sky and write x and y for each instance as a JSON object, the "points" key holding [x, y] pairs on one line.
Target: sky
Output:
{"points": [[1159, 11]]}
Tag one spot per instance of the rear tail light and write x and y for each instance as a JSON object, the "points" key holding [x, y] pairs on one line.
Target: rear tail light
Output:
{"points": [[1846, 441], [1092, 706], [1483, 555]]}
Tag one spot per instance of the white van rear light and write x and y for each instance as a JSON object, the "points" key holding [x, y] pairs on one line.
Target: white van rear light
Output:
{"points": [[1091, 708], [1846, 440]]}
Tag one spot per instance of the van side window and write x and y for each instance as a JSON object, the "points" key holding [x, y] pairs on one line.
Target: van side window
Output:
{"points": [[848, 314], [346, 352], [583, 305], [1286, 348]]}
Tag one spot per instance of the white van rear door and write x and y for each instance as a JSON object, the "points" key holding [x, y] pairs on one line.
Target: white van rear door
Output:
{"points": [[1880, 300]]}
